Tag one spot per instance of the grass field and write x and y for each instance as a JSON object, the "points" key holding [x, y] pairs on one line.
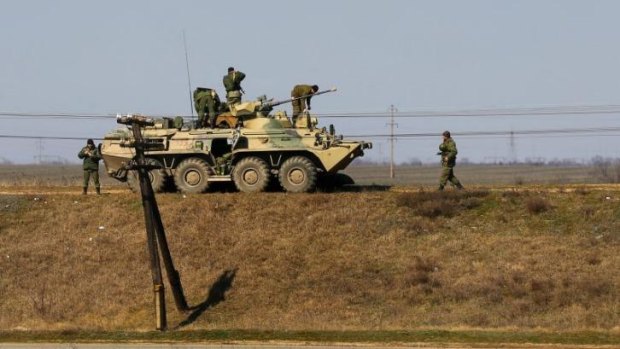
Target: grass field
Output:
{"points": [[478, 175], [71, 175], [47, 176], [521, 259]]}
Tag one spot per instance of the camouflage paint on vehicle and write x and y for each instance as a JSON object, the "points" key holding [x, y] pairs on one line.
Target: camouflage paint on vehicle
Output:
{"points": [[263, 145]]}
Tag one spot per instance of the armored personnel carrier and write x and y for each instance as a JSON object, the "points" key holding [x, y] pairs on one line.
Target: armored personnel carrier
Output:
{"points": [[252, 148]]}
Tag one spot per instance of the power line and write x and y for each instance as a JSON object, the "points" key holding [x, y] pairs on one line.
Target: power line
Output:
{"points": [[593, 131], [524, 111], [495, 112], [18, 115], [62, 138], [447, 114], [567, 131]]}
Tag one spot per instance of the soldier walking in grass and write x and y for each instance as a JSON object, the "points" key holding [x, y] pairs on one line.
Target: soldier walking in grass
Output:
{"points": [[301, 104], [232, 84], [91, 156], [447, 150]]}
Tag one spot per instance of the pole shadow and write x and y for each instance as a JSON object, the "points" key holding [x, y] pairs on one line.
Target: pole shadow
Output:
{"points": [[216, 295]]}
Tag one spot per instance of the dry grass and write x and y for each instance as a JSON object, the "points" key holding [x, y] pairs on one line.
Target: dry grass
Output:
{"points": [[428, 175], [441, 204], [536, 205], [47, 175], [372, 260], [518, 175]]}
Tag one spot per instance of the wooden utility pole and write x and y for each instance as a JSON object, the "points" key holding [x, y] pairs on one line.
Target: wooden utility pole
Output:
{"points": [[155, 234], [392, 110]]}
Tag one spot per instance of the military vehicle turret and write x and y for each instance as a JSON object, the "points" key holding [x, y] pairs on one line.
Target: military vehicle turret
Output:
{"points": [[260, 147], [260, 107]]}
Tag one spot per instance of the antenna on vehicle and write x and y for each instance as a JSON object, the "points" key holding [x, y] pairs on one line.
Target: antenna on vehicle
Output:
{"points": [[189, 82]]}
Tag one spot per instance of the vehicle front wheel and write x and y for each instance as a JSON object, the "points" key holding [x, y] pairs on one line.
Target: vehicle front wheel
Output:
{"points": [[251, 175], [330, 181], [191, 176], [157, 177], [298, 175]]}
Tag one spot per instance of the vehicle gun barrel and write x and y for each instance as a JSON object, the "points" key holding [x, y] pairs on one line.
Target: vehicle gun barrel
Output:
{"points": [[130, 119], [271, 104]]}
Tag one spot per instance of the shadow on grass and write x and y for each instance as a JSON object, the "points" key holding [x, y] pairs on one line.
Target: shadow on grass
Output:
{"points": [[216, 295]]}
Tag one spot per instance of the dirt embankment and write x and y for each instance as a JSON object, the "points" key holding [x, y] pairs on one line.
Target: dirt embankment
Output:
{"points": [[325, 261]]}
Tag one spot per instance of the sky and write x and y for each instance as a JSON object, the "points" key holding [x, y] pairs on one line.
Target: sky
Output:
{"points": [[108, 57]]}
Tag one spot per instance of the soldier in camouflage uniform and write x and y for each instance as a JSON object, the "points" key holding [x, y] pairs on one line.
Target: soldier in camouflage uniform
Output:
{"points": [[232, 84], [299, 105], [207, 105], [448, 152], [91, 156]]}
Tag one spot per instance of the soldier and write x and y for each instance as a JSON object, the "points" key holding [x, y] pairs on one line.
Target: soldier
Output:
{"points": [[448, 152], [207, 105], [91, 156], [299, 105], [232, 83]]}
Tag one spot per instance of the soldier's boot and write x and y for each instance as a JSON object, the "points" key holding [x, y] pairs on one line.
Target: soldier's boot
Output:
{"points": [[98, 190], [459, 186], [440, 188], [84, 190]]}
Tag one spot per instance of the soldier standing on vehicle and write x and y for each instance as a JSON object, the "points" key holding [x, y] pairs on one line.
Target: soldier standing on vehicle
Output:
{"points": [[207, 105], [448, 152], [301, 104], [232, 83], [91, 156]]}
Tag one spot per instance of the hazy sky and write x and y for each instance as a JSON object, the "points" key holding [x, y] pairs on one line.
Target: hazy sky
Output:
{"points": [[108, 57]]}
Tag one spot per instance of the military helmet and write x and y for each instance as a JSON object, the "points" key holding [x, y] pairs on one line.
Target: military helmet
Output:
{"points": [[446, 133]]}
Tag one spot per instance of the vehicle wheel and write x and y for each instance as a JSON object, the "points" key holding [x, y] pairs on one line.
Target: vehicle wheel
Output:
{"points": [[251, 175], [191, 176], [328, 182], [158, 178], [341, 179], [298, 175]]}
